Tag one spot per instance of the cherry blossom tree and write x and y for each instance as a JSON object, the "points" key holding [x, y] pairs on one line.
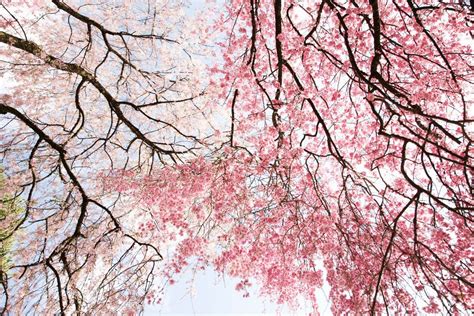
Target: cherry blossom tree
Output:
{"points": [[358, 119], [90, 86], [326, 143]]}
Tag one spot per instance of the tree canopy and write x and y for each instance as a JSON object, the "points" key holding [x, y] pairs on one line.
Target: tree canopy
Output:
{"points": [[289, 144]]}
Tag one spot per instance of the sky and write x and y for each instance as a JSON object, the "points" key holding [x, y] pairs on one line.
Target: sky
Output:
{"points": [[213, 295]]}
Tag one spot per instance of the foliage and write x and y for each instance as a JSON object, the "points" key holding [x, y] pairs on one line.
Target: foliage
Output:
{"points": [[291, 144], [10, 211]]}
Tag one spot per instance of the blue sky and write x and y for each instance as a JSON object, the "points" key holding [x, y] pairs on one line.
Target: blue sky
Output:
{"points": [[214, 295]]}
